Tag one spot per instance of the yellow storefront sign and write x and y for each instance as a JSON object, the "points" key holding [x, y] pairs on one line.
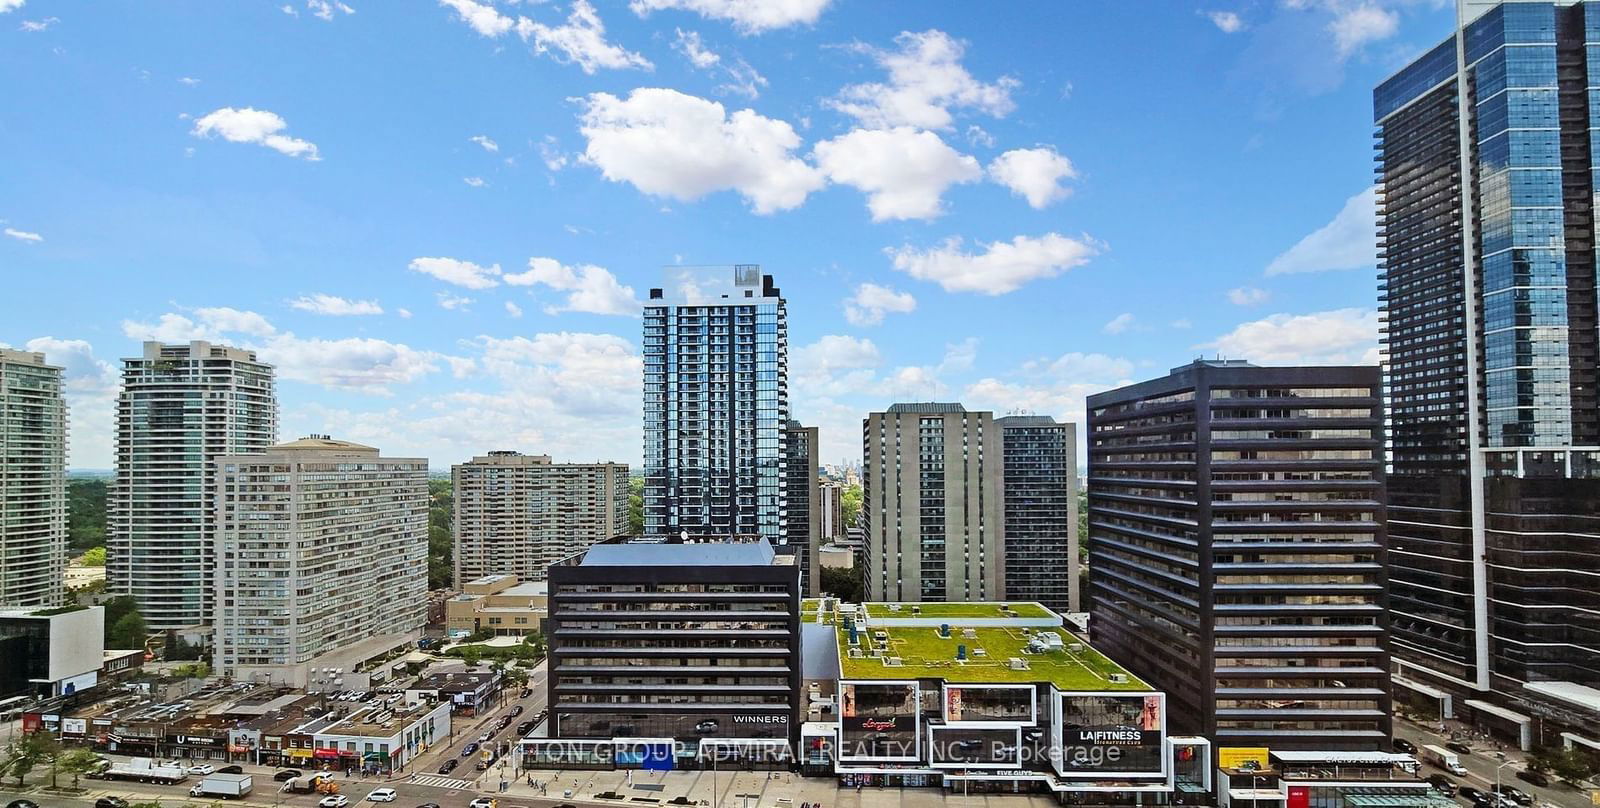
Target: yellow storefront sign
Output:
{"points": [[1235, 757]]}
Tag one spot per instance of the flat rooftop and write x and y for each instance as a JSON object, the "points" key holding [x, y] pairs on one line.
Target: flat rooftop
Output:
{"points": [[729, 554], [957, 610], [989, 648]]}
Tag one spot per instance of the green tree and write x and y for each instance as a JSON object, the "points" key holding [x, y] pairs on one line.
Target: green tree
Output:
{"points": [[129, 631], [535, 640], [850, 504], [441, 509], [86, 513], [26, 753], [77, 762], [472, 655], [94, 557], [844, 584], [636, 505]]}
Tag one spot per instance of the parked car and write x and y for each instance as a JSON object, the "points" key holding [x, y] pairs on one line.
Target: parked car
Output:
{"points": [[524, 728], [1470, 793], [1443, 783], [202, 769], [382, 795], [1533, 777], [481, 802], [22, 804], [526, 692], [516, 711], [1514, 794], [429, 805], [1458, 748], [1404, 746], [449, 765], [333, 801], [286, 774], [231, 770], [111, 802]]}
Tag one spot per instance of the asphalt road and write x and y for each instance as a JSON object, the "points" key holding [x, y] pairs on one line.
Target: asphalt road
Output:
{"points": [[1481, 765], [411, 793]]}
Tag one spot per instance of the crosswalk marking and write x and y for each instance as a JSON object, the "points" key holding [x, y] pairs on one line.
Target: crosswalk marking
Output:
{"points": [[436, 781]]}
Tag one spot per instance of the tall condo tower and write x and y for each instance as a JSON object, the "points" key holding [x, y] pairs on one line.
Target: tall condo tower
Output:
{"points": [[715, 404], [181, 407]]}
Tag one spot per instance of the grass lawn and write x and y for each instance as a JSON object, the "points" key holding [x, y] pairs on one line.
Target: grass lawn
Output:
{"points": [[925, 654]]}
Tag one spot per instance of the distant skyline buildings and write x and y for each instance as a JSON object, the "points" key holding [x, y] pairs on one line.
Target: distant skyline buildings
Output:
{"points": [[715, 355], [180, 408], [33, 485]]}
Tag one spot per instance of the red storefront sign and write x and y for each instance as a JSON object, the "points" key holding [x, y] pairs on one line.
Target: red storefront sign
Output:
{"points": [[1299, 797], [32, 722], [326, 754]]}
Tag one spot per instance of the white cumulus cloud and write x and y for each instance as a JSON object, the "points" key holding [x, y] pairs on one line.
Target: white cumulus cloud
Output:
{"points": [[747, 16], [1000, 267], [589, 288], [324, 9], [7, 6], [461, 273], [926, 81], [486, 142], [871, 301], [335, 306], [667, 143], [904, 172], [35, 26], [1119, 324], [1341, 336], [481, 17], [1033, 174], [581, 41], [1228, 22], [23, 235], [513, 309], [1350, 241], [688, 43], [453, 302], [1355, 25], [475, 182], [1247, 296], [250, 125]]}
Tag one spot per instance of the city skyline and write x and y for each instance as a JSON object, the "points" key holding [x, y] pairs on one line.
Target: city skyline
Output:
{"points": [[222, 227]]}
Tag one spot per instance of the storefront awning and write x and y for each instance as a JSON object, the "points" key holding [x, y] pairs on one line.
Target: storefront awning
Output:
{"points": [[1501, 712], [1421, 799]]}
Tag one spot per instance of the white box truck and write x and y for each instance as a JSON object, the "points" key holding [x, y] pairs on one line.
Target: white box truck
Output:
{"points": [[1444, 759], [145, 770], [226, 786]]}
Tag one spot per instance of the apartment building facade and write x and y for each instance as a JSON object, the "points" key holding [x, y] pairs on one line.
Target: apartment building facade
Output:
{"points": [[517, 514], [33, 481]]}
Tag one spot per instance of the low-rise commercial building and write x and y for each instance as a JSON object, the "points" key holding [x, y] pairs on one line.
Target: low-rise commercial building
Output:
{"points": [[991, 698], [50, 652], [498, 603], [383, 738], [466, 691], [1263, 778], [679, 653]]}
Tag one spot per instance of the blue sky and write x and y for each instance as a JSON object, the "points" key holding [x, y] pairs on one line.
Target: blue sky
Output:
{"points": [[436, 217]]}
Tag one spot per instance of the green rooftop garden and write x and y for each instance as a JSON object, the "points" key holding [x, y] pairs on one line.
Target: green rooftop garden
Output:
{"points": [[957, 610], [925, 654]]}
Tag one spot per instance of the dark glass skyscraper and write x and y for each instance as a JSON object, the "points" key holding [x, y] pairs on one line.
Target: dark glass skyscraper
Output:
{"points": [[1236, 550], [1041, 509], [1487, 170], [715, 404]]}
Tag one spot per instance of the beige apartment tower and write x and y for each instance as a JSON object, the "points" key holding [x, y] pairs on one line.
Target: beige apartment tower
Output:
{"points": [[517, 514], [933, 504], [33, 481], [322, 558]]}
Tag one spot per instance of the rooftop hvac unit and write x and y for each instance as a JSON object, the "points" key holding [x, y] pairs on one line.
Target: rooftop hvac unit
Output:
{"points": [[969, 634], [1075, 647], [892, 662], [855, 653], [1019, 664], [1117, 678]]}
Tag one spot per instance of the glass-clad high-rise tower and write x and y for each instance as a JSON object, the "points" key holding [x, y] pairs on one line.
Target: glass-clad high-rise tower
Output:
{"points": [[715, 404], [1487, 169], [181, 407]]}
